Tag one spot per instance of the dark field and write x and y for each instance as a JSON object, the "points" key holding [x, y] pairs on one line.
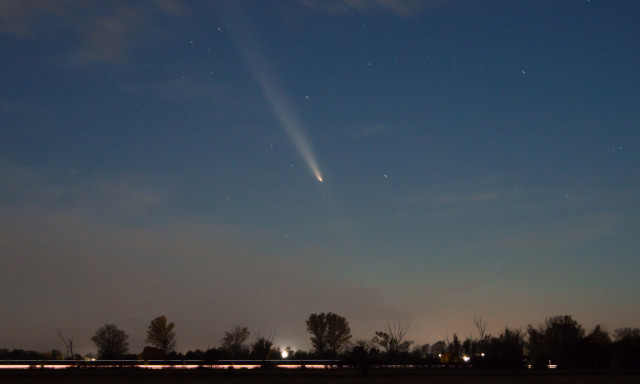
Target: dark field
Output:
{"points": [[311, 376]]}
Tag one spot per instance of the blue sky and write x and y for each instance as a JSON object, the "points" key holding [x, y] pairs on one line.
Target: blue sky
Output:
{"points": [[477, 157]]}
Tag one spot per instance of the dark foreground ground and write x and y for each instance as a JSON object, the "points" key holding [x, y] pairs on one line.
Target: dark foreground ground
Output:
{"points": [[310, 376]]}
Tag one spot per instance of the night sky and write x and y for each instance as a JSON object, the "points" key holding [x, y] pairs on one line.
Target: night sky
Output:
{"points": [[164, 158]]}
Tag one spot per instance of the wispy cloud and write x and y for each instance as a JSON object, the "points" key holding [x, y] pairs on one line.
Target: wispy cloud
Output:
{"points": [[368, 130], [457, 198], [115, 197], [100, 31], [404, 8], [174, 88], [28, 19]]}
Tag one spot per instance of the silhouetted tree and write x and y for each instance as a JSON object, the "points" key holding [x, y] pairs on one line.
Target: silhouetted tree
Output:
{"points": [[422, 350], [20, 354], [626, 348], [68, 344], [330, 333], [300, 355], [162, 335], [233, 341], [626, 333], [153, 353], [557, 341], [478, 347], [469, 347], [421, 356], [453, 354], [54, 354], [262, 347], [595, 351], [198, 354], [360, 357], [438, 348], [392, 338], [213, 354], [481, 326], [112, 342], [503, 352], [338, 333]]}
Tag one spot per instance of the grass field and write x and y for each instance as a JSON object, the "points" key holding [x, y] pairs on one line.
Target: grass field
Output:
{"points": [[311, 377]]}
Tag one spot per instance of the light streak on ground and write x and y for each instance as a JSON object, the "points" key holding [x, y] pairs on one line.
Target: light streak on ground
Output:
{"points": [[41, 366], [234, 366], [308, 366], [182, 366], [37, 365]]}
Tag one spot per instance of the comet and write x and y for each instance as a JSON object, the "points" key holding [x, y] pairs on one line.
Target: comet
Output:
{"points": [[269, 86], [288, 118]]}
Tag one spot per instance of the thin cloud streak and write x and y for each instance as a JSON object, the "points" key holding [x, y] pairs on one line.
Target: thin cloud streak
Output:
{"points": [[176, 89], [102, 32], [431, 198], [403, 8], [368, 130]]}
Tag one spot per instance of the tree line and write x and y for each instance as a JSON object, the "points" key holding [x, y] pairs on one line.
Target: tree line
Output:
{"points": [[559, 342]]}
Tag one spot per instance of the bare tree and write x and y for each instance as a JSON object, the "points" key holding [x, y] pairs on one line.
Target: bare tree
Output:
{"points": [[481, 326], [392, 338], [68, 343]]}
